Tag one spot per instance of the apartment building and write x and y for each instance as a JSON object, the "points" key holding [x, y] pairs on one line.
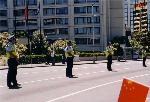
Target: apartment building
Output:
{"points": [[137, 14], [77, 20]]}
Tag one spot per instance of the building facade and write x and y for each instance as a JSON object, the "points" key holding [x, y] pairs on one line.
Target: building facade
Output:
{"points": [[137, 15], [77, 20]]}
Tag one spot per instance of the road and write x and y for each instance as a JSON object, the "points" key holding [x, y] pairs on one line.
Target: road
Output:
{"points": [[44, 83]]}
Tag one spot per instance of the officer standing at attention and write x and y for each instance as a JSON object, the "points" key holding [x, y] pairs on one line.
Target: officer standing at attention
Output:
{"points": [[69, 53], [144, 55], [12, 61], [109, 53]]}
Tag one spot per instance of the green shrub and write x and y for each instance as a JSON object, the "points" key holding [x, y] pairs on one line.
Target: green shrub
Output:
{"points": [[37, 59], [90, 54]]}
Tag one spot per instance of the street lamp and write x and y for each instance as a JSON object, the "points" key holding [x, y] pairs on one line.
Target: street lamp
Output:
{"points": [[93, 30]]}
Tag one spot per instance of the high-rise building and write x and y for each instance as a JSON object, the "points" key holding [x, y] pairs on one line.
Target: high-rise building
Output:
{"points": [[78, 20], [140, 17], [137, 15]]}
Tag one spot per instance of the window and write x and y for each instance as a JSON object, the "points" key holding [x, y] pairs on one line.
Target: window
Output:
{"points": [[80, 30], [19, 23], [48, 2], [79, 10], [79, 1], [92, 1], [63, 10], [32, 2], [32, 12], [80, 20], [62, 21], [95, 9], [97, 30], [49, 31], [3, 3], [49, 21], [32, 22], [97, 19], [19, 12], [63, 30], [48, 11], [96, 41], [81, 40], [61, 1], [19, 2], [3, 13], [3, 23]]}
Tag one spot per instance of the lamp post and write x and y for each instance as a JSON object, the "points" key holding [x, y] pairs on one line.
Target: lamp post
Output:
{"points": [[93, 31]]}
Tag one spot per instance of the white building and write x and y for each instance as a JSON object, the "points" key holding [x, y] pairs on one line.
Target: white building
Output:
{"points": [[67, 19]]}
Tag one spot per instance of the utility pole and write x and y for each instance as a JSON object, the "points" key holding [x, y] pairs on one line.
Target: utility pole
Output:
{"points": [[93, 31]]}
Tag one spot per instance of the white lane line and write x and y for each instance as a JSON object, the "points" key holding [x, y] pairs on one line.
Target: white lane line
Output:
{"points": [[126, 68], [52, 78], [94, 72], [87, 73], [2, 86], [91, 88]]}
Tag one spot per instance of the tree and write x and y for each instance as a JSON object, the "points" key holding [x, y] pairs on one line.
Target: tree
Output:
{"points": [[59, 46], [3, 42], [138, 40], [39, 43], [21, 48]]}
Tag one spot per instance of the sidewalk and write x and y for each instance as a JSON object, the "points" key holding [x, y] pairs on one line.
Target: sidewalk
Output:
{"points": [[44, 65]]}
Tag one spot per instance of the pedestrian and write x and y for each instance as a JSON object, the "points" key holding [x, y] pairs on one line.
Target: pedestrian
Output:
{"points": [[53, 57], [69, 53], [109, 53], [144, 56], [48, 58], [12, 61], [63, 57]]}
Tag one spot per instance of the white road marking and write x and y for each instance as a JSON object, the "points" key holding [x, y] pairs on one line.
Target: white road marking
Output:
{"points": [[87, 73], [101, 71], [94, 72], [126, 68], [91, 88], [25, 82], [2, 86], [52, 78]]}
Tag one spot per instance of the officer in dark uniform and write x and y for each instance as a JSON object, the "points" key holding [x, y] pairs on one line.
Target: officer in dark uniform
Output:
{"points": [[12, 56], [69, 53], [109, 53], [144, 56]]}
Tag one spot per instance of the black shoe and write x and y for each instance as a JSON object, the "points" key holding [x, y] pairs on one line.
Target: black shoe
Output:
{"points": [[144, 66], [18, 84], [15, 87]]}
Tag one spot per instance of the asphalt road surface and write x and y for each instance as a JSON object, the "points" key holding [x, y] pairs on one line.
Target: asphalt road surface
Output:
{"points": [[43, 83]]}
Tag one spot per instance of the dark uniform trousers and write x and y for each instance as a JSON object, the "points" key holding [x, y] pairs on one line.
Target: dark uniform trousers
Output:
{"points": [[109, 59], [12, 72], [144, 59], [69, 66]]}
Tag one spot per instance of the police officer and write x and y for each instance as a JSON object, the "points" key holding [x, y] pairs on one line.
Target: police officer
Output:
{"points": [[12, 61], [144, 56], [69, 53], [109, 53]]}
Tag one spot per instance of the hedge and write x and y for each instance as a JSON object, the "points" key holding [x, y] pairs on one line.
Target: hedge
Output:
{"points": [[37, 59]]}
